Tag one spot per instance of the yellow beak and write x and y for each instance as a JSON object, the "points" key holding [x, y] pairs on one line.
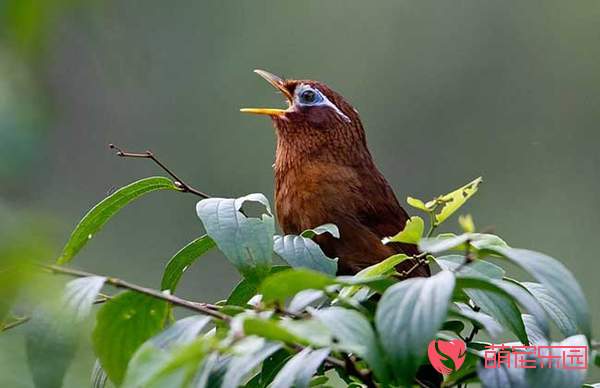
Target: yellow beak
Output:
{"points": [[278, 84]]}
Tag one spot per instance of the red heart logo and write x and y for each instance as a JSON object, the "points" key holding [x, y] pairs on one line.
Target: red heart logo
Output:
{"points": [[440, 353]]}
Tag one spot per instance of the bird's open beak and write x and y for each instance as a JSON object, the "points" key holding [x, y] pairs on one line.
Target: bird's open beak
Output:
{"points": [[278, 84]]}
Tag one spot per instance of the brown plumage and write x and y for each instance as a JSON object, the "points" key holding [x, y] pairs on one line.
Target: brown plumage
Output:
{"points": [[324, 173]]}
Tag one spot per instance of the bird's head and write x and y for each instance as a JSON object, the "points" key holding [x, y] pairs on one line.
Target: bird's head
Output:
{"points": [[317, 120]]}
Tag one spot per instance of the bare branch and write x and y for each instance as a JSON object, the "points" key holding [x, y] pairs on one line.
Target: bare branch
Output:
{"points": [[184, 187], [198, 307]]}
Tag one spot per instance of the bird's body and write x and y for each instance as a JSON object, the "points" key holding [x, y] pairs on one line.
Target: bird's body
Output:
{"points": [[324, 173]]}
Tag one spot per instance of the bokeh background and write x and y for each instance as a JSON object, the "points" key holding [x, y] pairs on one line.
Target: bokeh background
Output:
{"points": [[447, 91]]}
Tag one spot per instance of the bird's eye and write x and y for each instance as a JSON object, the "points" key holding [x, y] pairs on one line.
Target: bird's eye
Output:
{"points": [[308, 96]]}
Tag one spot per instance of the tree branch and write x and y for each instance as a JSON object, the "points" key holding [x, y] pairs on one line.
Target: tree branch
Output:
{"points": [[203, 308], [198, 307], [184, 187]]}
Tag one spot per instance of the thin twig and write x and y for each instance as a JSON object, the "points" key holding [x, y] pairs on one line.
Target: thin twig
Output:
{"points": [[184, 187], [203, 308], [119, 283], [421, 260], [352, 369], [14, 323]]}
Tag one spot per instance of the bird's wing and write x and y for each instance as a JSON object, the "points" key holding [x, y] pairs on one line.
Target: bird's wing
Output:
{"points": [[382, 214]]}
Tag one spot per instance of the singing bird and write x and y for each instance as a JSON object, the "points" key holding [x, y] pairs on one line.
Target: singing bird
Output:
{"points": [[324, 173]]}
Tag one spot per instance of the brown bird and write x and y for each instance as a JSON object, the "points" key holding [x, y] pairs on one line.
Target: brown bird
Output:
{"points": [[324, 173]]}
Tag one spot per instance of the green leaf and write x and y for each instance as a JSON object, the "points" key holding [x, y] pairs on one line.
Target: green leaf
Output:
{"points": [[498, 297], [80, 294], [302, 252], [476, 268], [354, 334], [246, 241], [95, 219], [556, 279], [99, 378], [276, 331], [241, 365], [156, 353], [183, 259], [325, 228], [411, 234], [466, 223], [303, 299], [123, 324], [418, 204], [555, 310], [558, 377], [247, 288], [451, 202], [502, 377], [407, 318], [298, 371], [534, 332], [444, 242], [385, 267], [51, 343], [284, 284], [480, 242], [479, 319]]}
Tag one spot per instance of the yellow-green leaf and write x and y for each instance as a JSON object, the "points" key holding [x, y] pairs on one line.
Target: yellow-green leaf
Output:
{"points": [[466, 223], [417, 204], [411, 234], [451, 202]]}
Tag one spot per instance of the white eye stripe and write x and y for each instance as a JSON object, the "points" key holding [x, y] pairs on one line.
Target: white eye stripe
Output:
{"points": [[324, 100]]}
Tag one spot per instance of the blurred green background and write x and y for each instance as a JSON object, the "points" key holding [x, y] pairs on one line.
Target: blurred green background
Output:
{"points": [[447, 91]]}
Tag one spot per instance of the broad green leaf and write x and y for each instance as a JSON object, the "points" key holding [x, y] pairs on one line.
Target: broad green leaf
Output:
{"points": [[242, 365], [183, 259], [558, 377], [51, 343], [443, 243], [246, 241], [302, 252], [95, 219], [354, 334], [303, 299], [79, 294], [502, 377], [247, 288], [284, 284], [451, 202], [556, 279], [298, 371], [385, 267], [185, 360], [535, 334], [306, 332], [325, 228], [476, 268], [123, 324], [270, 367], [555, 310], [407, 318], [411, 234], [155, 354], [479, 319], [480, 242], [498, 298], [270, 330]]}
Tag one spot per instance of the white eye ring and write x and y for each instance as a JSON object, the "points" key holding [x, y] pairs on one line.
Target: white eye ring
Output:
{"points": [[319, 100]]}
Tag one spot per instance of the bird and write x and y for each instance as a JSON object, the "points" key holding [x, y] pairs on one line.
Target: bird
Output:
{"points": [[324, 173]]}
